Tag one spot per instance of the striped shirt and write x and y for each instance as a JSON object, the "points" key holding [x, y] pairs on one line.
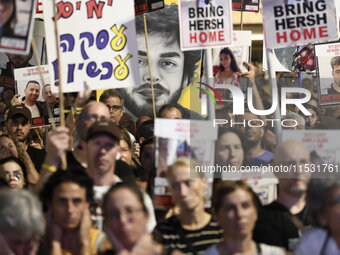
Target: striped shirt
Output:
{"points": [[190, 242]]}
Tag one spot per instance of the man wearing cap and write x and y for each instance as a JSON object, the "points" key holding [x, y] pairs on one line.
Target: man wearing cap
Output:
{"points": [[18, 125], [102, 146]]}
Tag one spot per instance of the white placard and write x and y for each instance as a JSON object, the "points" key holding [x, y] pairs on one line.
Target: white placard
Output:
{"points": [[296, 22], [205, 25], [97, 42]]}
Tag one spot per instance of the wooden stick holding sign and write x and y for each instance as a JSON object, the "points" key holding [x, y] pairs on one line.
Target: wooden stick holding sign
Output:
{"points": [[60, 84], [149, 66]]}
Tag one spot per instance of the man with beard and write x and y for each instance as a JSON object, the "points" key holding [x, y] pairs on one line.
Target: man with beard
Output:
{"points": [[253, 134], [281, 223], [32, 92], [172, 69], [18, 125]]}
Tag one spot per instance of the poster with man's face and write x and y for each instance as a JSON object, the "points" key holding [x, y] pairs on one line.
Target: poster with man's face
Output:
{"points": [[34, 93], [329, 87], [328, 58], [171, 69], [16, 25]]}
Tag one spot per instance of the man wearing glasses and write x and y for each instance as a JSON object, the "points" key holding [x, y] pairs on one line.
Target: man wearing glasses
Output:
{"points": [[114, 102]]}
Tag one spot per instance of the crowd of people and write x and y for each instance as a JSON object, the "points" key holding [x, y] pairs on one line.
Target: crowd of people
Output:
{"points": [[102, 202], [88, 187]]}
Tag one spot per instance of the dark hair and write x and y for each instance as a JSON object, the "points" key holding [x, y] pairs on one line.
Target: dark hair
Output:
{"points": [[146, 129], [168, 107], [224, 188], [317, 193], [76, 176], [315, 109], [165, 22], [35, 82], [224, 130], [124, 185], [335, 61], [233, 64], [148, 141], [110, 93], [20, 163]]}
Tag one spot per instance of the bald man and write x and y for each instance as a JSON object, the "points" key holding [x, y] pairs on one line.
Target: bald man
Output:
{"points": [[281, 222]]}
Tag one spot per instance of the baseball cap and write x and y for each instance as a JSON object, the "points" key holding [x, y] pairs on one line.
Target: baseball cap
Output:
{"points": [[103, 127], [19, 109]]}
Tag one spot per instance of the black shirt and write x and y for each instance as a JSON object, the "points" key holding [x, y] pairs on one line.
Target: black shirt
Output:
{"points": [[277, 226], [37, 156]]}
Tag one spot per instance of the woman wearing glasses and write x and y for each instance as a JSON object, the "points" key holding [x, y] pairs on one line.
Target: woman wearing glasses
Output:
{"points": [[125, 219], [14, 172]]}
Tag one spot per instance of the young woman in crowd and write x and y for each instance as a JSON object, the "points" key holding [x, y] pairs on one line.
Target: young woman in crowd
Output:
{"points": [[235, 207], [230, 150], [14, 172], [125, 219], [228, 71]]}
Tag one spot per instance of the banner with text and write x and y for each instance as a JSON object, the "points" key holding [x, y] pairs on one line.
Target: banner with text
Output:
{"points": [[97, 42], [295, 22], [205, 25]]}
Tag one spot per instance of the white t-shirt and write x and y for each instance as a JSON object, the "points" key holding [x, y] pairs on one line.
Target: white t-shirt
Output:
{"points": [[34, 110], [265, 250]]}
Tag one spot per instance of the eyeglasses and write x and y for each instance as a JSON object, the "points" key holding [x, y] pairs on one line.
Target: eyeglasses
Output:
{"points": [[93, 117], [114, 107], [129, 212]]}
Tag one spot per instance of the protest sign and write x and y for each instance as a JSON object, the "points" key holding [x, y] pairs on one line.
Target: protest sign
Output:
{"points": [[206, 25], [246, 5], [16, 25], [39, 10], [145, 6], [8, 62], [295, 22], [97, 44], [181, 138], [33, 92], [322, 144], [329, 73]]}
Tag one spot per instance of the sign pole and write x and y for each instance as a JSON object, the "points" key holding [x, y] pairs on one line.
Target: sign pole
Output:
{"points": [[273, 86], [209, 76], [61, 95]]}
